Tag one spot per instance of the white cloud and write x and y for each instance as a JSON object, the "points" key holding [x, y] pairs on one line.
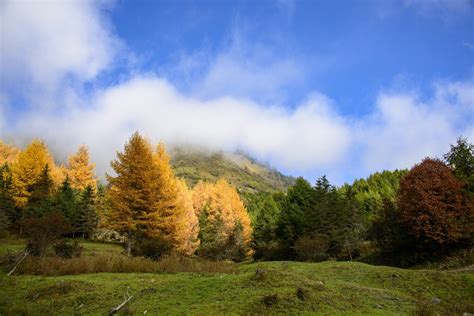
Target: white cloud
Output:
{"points": [[310, 135], [47, 43], [403, 130]]}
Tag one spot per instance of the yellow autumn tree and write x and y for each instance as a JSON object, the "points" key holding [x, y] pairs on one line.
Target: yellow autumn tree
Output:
{"points": [[148, 201], [8, 153], [173, 218], [224, 222], [27, 169], [81, 170], [132, 192], [188, 241]]}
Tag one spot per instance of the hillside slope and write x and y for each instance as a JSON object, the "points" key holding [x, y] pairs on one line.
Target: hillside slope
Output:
{"points": [[327, 288], [238, 168]]}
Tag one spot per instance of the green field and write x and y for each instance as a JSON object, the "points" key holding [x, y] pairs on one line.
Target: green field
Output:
{"points": [[327, 288]]}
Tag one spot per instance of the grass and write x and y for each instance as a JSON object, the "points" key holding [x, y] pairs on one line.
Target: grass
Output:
{"points": [[327, 288]]}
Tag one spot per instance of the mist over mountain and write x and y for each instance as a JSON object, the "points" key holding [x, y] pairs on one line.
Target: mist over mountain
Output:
{"points": [[244, 172]]}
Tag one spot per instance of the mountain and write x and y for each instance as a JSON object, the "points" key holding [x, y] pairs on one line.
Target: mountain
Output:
{"points": [[242, 171]]}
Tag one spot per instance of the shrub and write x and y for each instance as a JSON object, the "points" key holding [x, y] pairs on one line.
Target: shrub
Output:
{"points": [[312, 249], [67, 250], [44, 231], [269, 300], [153, 248]]}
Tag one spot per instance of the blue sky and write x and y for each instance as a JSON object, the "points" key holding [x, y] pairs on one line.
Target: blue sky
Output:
{"points": [[342, 88]]}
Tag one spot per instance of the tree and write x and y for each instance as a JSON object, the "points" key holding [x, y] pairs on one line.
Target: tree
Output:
{"points": [[434, 206], [167, 219], [264, 234], [294, 212], [220, 211], [8, 153], [188, 240], [65, 202], [395, 245], [87, 219], [27, 170], [461, 159], [7, 205], [39, 201], [132, 192], [81, 171]]}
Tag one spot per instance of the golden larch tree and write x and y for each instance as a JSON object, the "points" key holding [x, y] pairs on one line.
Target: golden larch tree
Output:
{"points": [[27, 169], [81, 170], [188, 241], [8, 153], [132, 192]]}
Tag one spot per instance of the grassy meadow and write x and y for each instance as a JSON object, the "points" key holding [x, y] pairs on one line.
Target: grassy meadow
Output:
{"points": [[161, 288]]}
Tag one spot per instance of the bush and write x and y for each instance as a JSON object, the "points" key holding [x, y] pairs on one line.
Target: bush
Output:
{"points": [[67, 250], [153, 248], [269, 300], [44, 231], [312, 249]]}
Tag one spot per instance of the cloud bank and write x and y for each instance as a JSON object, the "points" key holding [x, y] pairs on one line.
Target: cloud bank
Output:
{"points": [[73, 46]]}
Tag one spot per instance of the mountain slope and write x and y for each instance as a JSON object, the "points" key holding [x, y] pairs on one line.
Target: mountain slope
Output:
{"points": [[239, 169]]}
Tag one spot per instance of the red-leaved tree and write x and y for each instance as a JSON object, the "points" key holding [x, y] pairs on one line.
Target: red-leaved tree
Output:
{"points": [[433, 205]]}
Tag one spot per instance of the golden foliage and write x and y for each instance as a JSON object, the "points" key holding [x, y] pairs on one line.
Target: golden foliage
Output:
{"points": [[223, 204], [81, 171], [8, 153], [27, 169]]}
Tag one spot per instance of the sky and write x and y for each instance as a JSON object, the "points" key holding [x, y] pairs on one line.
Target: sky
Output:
{"points": [[341, 88]]}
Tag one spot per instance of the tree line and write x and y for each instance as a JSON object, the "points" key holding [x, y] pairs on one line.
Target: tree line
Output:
{"points": [[400, 217]]}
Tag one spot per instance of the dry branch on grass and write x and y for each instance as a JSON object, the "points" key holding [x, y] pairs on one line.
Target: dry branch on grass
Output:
{"points": [[117, 308]]}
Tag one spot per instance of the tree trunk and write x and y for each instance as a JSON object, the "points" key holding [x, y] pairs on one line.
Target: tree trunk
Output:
{"points": [[22, 220], [129, 243]]}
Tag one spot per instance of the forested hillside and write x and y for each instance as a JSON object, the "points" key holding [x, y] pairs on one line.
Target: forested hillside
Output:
{"points": [[242, 171]]}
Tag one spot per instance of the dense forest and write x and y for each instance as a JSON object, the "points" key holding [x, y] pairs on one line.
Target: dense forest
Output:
{"points": [[401, 217]]}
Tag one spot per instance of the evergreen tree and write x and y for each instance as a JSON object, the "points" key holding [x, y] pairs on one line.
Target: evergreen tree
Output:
{"points": [[292, 222], [87, 219], [265, 225], [7, 205], [461, 159], [65, 202]]}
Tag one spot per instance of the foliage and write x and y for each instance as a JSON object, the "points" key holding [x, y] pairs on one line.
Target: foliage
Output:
{"points": [[371, 192], [433, 205], [132, 190], [81, 171], [224, 221], [87, 218], [312, 249], [8, 153], [265, 223], [7, 204], [43, 231], [461, 159], [66, 250]]}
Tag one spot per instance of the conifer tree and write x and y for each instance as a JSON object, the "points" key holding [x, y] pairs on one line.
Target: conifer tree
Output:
{"points": [[220, 210], [7, 205], [165, 219], [188, 237], [66, 203], [81, 171], [132, 192], [87, 219], [27, 170], [8, 153]]}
